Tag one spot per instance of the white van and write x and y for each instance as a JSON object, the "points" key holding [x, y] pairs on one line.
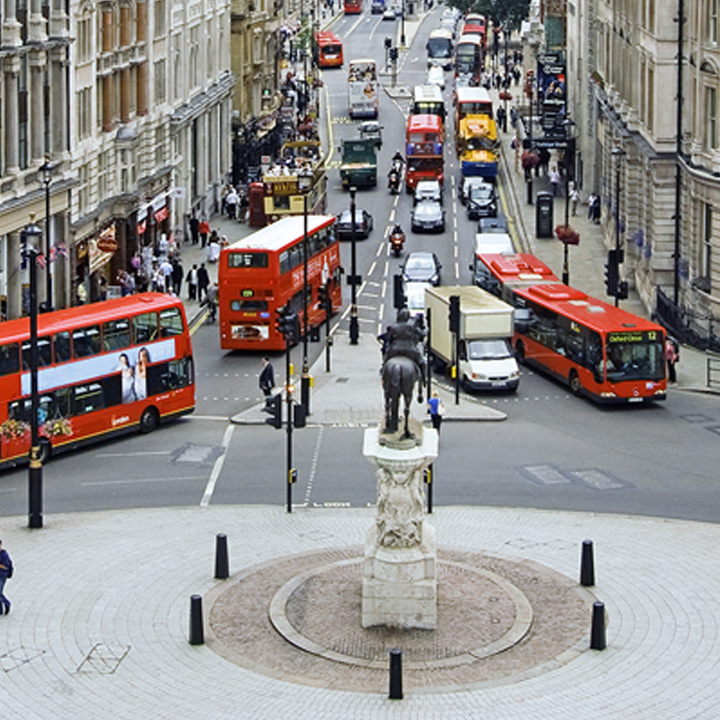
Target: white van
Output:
{"points": [[440, 49], [492, 242]]}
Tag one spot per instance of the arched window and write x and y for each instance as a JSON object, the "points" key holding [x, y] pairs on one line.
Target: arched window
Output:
{"points": [[709, 77]]}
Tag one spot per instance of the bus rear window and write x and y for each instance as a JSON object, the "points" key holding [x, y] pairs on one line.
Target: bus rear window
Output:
{"points": [[247, 260], [248, 305]]}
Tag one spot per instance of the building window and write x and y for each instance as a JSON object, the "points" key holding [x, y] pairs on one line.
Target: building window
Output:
{"points": [[706, 250], [85, 112], [159, 146], [160, 23], [194, 57], [84, 39], [160, 89], [711, 115], [713, 21], [83, 189]]}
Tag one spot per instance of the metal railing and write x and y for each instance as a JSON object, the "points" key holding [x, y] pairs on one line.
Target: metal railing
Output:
{"points": [[687, 326]]}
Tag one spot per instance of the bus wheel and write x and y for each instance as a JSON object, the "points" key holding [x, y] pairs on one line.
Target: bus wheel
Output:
{"points": [[45, 450], [575, 386], [520, 353], [149, 420]]}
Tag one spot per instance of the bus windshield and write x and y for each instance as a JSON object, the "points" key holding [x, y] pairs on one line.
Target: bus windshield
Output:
{"points": [[632, 356]]}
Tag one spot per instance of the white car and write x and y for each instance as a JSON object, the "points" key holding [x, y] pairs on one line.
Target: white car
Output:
{"points": [[415, 297], [389, 14], [436, 76]]}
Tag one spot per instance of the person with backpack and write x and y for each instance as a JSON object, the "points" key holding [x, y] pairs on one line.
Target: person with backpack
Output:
{"points": [[6, 572]]}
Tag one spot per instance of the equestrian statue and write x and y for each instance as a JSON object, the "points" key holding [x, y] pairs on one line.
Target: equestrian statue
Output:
{"points": [[403, 366]]}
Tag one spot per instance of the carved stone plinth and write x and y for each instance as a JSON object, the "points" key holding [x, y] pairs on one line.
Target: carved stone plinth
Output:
{"points": [[399, 576]]}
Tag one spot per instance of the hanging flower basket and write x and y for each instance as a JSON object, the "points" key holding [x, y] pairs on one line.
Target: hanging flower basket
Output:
{"points": [[567, 235], [12, 429], [529, 160]]}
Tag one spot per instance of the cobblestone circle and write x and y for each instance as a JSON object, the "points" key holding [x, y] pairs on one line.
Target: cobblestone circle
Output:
{"points": [[473, 612]]}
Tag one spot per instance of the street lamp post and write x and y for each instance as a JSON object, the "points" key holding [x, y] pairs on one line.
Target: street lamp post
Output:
{"points": [[304, 186], [402, 24], [618, 154], [46, 169], [354, 329], [31, 249], [569, 171]]}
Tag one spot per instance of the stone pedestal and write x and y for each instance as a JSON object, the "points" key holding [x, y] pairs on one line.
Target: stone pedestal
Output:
{"points": [[399, 577]]}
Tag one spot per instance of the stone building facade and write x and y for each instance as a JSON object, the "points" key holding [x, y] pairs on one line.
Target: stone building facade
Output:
{"points": [[622, 60], [130, 103]]}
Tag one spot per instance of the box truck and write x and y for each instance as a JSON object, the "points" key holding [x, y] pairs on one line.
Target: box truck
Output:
{"points": [[483, 344]]}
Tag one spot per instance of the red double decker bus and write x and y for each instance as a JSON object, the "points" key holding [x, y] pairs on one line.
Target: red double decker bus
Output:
{"points": [[603, 352], [352, 7], [328, 49], [266, 271], [501, 274], [424, 150], [103, 369]]}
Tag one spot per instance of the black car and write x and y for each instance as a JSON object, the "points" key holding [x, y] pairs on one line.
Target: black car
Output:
{"points": [[481, 201], [421, 267], [363, 224], [427, 216], [467, 182]]}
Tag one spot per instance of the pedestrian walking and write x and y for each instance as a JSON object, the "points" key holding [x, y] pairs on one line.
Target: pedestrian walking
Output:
{"points": [[594, 208], [211, 300], [574, 199], [6, 572], [178, 274], [192, 281], [194, 229], [166, 269], [554, 177], [203, 282], [231, 203], [671, 357], [204, 229], [437, 410], [267, 377]]}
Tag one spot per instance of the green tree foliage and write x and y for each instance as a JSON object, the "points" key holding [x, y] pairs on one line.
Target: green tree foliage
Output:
{"points": [[508, 13]]}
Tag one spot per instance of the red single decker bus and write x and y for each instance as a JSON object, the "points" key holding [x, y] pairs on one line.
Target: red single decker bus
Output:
{"points": [[600, 351], [424, 150], [103, 369], [352, 7], [328, 49], [266, 271]]}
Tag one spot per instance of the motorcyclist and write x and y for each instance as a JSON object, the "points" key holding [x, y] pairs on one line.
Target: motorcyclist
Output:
{"points": [[398, 158], [397, 231]]}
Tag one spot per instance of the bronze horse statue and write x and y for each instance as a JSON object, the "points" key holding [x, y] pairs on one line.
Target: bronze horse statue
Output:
{"points": [[399, 375]]}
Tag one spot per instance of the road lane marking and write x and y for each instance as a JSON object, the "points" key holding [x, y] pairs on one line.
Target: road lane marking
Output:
{"points": [[313, 465], [217, 467]]}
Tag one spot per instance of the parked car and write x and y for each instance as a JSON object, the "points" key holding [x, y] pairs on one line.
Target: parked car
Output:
{"points": [[363, 224], [468, 181], [436, 76], [389, 14], [421, 267], [427, 216], [428, 190], [492, 225], [481, 201], [373, 130]]}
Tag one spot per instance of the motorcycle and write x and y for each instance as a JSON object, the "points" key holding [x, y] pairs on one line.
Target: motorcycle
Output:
{"points": [[394, 182], [397, 240]]}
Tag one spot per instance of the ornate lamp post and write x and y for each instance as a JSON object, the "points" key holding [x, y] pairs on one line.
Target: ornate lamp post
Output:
{"points": [[32, 236], [569, 170], [305, 179], [46, 169]]}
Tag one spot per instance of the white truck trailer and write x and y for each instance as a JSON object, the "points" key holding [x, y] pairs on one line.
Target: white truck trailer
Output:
{"points": [[484, 356]]}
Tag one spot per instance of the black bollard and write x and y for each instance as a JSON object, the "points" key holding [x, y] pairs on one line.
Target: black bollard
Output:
{"points": [[222, 570], [396, 692], [197, 636], [587, 565], [597, 632]]}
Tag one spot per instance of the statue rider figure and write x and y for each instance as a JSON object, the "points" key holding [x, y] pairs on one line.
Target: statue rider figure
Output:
{"points": [[404, 338]]}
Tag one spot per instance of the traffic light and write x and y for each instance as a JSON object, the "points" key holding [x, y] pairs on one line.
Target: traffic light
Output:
{"points": [[611, 273], [324, 298], [393, 54], [622, 291], [399, 299], [288, 325], [388, 42], [454, 314], [273, 406]]}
